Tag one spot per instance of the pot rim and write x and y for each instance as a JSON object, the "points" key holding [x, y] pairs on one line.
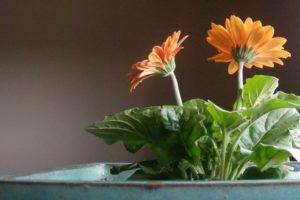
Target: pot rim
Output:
{"points": [[12, 180]]}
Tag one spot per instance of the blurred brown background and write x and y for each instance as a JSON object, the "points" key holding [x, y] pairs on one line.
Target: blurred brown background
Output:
{"points": [[63, 65]]}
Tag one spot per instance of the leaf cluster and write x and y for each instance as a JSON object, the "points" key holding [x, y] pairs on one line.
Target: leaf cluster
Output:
{"points": [[200, 140]]}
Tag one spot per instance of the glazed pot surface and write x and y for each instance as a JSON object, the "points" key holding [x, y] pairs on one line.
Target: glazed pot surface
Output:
{"points": [[94, 181]]}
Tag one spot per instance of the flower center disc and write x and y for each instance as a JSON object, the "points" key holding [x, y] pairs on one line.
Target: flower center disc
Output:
{"points": [[243, 54]]}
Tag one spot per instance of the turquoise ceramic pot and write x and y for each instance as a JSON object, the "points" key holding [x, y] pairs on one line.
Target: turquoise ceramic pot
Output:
{"points": [[93, 181]]}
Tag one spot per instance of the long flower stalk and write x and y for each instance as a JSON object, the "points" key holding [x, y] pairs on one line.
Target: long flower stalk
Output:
{"points": [[240, 85], [176, 89]]}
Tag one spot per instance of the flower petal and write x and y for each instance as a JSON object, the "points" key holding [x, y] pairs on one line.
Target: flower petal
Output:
{"points": [[275, 54], [238, 30], [248, 25], [218, 45], [247, 41], [221, 57], [255, 36], [233, 67], [158, 58], [274, 43]]}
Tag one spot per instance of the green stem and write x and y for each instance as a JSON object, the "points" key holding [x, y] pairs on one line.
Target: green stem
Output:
{"points": [[225, 171], [230, 154], [239, 169], [232, 150], [176, 89], [240, 85], [215, 147], [223, 161]]}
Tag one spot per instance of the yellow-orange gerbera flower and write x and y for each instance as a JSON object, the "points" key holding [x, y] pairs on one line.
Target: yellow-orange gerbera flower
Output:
{"points": [[160, 61], [248, 42]]}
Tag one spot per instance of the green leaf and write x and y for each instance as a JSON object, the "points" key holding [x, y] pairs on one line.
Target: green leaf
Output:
{"points": [[182, 169], [271, 173], [257, 89], [197, 104], [227, 120], [270, 128], [268, 139], [171, 117], [186, 126], [291, 99], [149, 170], [126, 126], [189, 170], [279, 100], [266, 156], [295, 134], [133, 146], [192, 129], [267, 106], [210, 156], [170, 131], [120, 168]]}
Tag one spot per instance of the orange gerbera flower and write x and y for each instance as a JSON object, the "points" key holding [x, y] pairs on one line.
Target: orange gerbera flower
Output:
{"points": [[160, 61], [249, 42]]}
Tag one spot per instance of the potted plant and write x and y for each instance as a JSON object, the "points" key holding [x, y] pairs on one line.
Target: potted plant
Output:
{"points": [[202, 150]]}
